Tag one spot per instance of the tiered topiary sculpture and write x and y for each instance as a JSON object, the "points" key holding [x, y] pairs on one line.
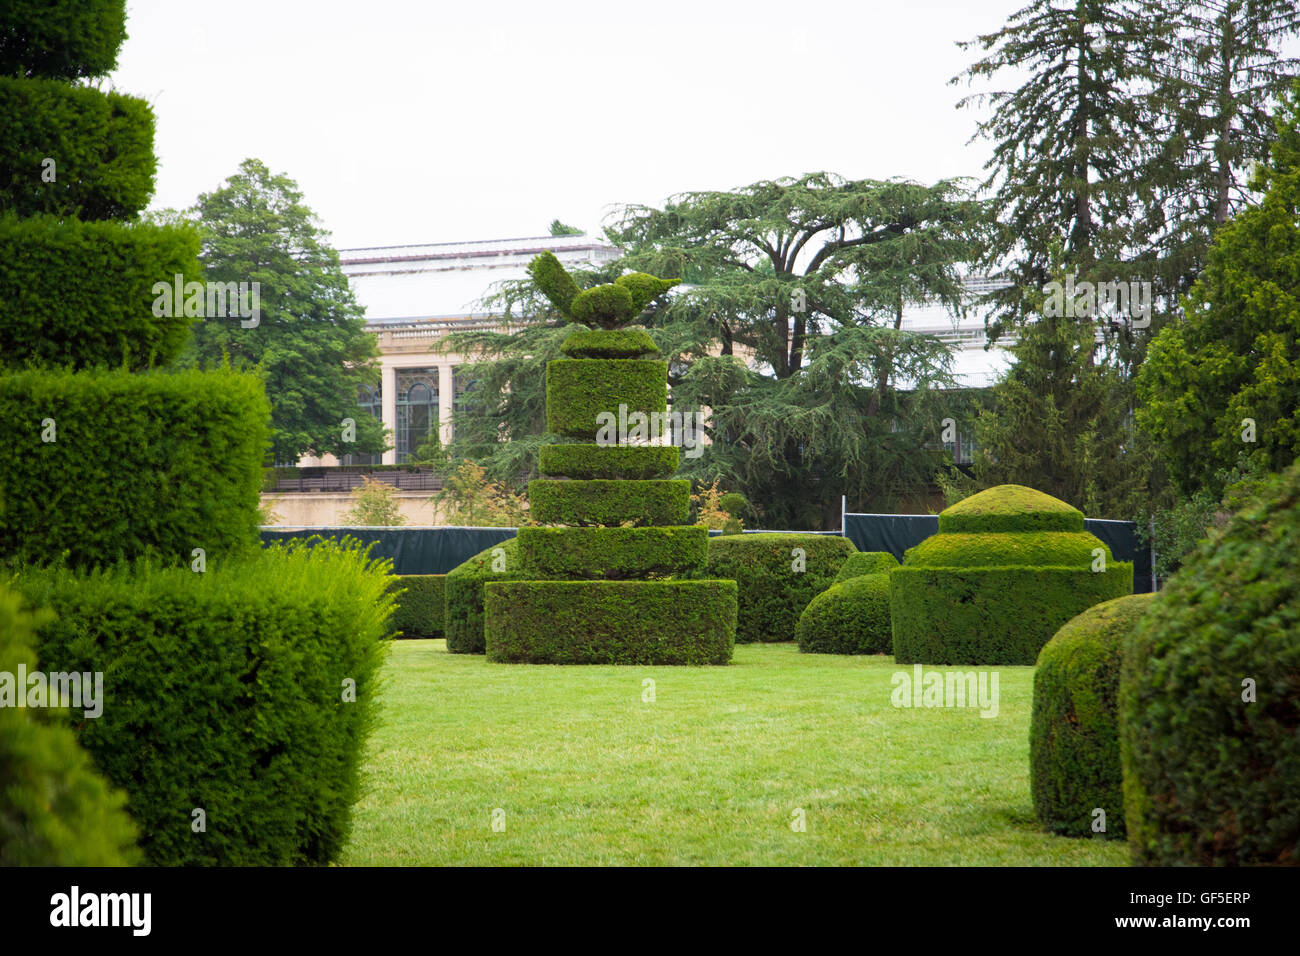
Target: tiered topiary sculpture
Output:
{"points": [[1074, 767], [1209, 698], [1008, 567], [601, 586]]}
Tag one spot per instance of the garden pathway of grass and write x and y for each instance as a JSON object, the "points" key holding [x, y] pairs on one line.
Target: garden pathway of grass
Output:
{"points": [[710, 772]]}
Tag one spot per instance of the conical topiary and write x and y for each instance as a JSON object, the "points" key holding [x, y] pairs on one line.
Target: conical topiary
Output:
{"points": [[604, 569]]}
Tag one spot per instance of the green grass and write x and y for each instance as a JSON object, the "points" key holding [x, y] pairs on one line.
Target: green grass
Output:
{"points": [[709, 773]]}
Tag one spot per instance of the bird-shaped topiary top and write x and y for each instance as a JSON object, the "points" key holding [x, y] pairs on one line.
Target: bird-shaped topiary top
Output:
{"points": [[609, 306]]}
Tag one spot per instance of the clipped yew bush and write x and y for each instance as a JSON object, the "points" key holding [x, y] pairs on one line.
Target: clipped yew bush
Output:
{"points": [[776, 583], [850, 617], [463, 594], [579, 391], [65, 40], [419, 611], [606, 502], [614, 553], [107, 466], [608, 461], [1074, 765], [1008, 567], [246, 691], [55, 809], [866, 562], [1210, 698]]}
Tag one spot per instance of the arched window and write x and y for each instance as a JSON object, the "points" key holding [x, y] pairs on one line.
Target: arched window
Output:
{"points": [[369, 398], [417, 409]]}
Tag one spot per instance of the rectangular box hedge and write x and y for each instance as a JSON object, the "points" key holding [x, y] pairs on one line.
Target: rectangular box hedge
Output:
{"points": [[419, 611]]}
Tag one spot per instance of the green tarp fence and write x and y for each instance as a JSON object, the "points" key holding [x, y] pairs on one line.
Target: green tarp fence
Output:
{"points": [[897, 533]]}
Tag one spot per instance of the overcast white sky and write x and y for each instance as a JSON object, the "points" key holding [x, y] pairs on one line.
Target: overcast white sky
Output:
{"points": [[409, 122]]}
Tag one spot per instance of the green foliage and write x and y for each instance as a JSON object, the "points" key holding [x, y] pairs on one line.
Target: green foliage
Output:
{"points": [[1010, 508], [139, 463], [463, 594], [375, 504], [600, 501], [81, 293], [1073, 549], [607, 306], [849, 617], [776, 582], [310, 343], [734, 503], [227, 691], [608, 461], [608, 343], [554, 282], [419, 611], [644, 288], [558, 228], [866, 562], [1074, 765], [63, 40], [611, 622], [55, 810], [101, 144], [469, 498], [579, 390], [1236, 355], [613, 553], [1210, 698]]}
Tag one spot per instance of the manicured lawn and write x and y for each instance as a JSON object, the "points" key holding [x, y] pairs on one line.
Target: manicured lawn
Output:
{"points": [[709, 773]]}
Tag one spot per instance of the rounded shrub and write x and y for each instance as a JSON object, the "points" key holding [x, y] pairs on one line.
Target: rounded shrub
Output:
{"points": [[866, 562], [463, 594], [608, 306], [851, 617], [55, 809], [778, 575], [1210, 698], [1074, 765], [1008, 567]]}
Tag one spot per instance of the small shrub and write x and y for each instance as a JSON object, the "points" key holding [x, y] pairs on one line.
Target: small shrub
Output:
{"points": [[55, 810], [247, 691], [1074, 766], [866, 562], [851, 617], [419, 612], [611, 622], [1210, 698], [374, 504], [774, 591]]}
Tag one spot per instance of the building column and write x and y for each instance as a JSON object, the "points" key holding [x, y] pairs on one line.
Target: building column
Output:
{"points": [[446, 395], [388, 404]]}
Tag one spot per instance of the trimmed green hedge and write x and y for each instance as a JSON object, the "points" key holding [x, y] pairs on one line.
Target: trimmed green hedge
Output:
{"points": [[603, 502], [851, 617], [1030, 548], [611, 622], [613, 553], [992, 615], [1074, 766], [579, 390], [55, 810], [775, 594], [81, 293], [608, 461], [419, 612], [101, 144], [228, 691], [153, 462], [609, 344], [463, 594], [66, 40], [1010, 508], [866, 562], [1212, 776]]}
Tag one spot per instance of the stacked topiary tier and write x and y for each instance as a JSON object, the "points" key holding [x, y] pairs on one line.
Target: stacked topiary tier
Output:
{"points": [[604, 571]]}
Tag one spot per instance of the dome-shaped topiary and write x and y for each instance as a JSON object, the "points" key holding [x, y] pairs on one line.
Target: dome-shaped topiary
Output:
{"points": [[1008, 567], [1074, 766], [1210, 698], [851, 617], [866, 562]]}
